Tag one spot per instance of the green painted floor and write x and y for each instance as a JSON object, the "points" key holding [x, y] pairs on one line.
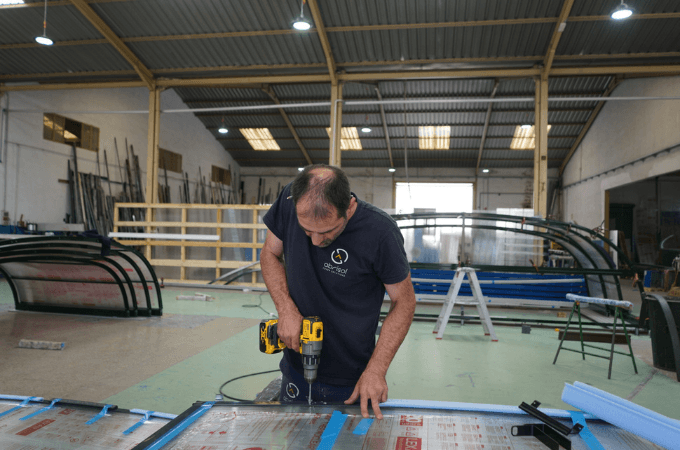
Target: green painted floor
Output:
{"points": [[464, 366]]}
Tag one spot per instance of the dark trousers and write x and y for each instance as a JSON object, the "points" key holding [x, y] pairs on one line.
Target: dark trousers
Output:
{"points": [[294, 389]]}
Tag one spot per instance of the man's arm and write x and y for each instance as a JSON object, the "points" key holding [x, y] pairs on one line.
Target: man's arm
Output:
{"points": [[274, 274], [372, 384]]}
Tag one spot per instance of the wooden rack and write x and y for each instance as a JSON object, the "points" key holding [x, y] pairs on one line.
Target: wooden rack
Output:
{"points": [[151, 226]]}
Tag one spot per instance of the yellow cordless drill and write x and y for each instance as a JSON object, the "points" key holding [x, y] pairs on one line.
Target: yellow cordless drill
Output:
{"points": [[311, 340]]}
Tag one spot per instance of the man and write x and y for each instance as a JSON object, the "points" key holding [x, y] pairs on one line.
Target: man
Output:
{"points": [[331, 255]]}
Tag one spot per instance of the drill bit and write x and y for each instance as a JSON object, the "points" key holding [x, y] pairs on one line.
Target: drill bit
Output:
{"points": [[310, 394]]}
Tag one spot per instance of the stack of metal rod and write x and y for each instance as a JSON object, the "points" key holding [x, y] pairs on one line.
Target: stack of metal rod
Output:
{"points": [[89, 203]]}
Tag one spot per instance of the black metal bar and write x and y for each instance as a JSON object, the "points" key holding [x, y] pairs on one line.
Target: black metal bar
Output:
{"points": [[670, 321], [533, 411]]}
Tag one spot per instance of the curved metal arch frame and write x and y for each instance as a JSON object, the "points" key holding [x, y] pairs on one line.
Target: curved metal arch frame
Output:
{"points": [[96, 255], [522, 231], [533, 221], [555, 226], [98, 241], [127, 312]]}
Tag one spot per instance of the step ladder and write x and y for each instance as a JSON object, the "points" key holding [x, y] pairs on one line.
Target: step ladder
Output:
{"points": [[451, 297]]}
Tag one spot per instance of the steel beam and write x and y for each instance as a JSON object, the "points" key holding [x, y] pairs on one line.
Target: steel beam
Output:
{"points": [[230, 81], [610, 88], [152, 151], [557, 34], [270, 92], [321, 32], [60, 86], [101, 26], [541, 147], [335, 151]]}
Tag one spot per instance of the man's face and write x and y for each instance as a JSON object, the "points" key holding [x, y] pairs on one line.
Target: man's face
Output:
{"points": [[322, 232]]}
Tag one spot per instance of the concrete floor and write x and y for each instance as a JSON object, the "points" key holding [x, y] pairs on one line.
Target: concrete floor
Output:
{"points": [[166, 363]]}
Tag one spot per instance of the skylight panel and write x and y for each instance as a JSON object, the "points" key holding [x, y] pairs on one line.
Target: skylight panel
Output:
{"points": [[260, 138], [349, 138], [524, 138], [434, 138]]}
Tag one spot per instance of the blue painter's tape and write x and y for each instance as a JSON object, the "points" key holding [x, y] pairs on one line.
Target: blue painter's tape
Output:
{"points": [[363, 426], [587, 436], [40, 411], [177, 429], [21, 405], [330, 434], [98, 416], [472, 407], [138, 424]]}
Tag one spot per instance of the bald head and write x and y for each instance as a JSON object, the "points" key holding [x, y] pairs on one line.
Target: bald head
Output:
{"points": [[320, 191]]}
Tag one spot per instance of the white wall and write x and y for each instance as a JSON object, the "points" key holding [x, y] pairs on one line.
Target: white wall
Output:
{"points": [[623, 132], [32, 166], [500, 188]]}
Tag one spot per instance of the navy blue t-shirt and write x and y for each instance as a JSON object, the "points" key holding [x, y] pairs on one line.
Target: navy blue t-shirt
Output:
{"points": [[343, 283]]}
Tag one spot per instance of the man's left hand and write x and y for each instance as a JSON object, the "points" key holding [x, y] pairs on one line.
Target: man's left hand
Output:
{"points": [[371, 386]]}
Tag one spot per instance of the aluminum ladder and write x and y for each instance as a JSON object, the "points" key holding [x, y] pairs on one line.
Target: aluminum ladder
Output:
{"points": [[451, 297]]}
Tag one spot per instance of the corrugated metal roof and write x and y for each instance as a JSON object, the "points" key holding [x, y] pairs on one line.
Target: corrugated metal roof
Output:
{"points": [[64, 23], [155, 31], [168, 17]]}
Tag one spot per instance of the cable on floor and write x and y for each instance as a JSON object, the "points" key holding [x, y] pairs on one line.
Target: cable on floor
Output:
{"points": [[238, 378], [259, 305]]}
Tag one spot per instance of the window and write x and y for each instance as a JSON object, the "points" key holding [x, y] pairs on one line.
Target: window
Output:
{"points": [[68, 131], [169, 161], [220, 175]]}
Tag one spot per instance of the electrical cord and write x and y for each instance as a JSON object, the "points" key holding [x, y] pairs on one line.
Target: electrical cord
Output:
{"points": [[259, 305], [238, 378]]}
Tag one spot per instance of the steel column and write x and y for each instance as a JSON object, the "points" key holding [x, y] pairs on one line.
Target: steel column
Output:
{"points": [[335, 152]]}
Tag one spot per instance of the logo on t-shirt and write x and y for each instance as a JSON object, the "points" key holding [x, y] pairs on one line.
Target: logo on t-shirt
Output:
{"points": [[339, 256]]}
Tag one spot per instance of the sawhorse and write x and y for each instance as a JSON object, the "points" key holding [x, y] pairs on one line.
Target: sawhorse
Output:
{"points": [[451, 297], [618, 305]]}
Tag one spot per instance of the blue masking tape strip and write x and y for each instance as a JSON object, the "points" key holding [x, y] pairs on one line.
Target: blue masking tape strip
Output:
{"points": [[46, 408], [98, 416], [177, 429], [588, 437], [138, 424], [21, 405], [332, 431], [363, 426]]}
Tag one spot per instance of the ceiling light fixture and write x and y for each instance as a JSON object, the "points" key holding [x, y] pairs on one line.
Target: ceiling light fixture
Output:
{"points": [[302, 23], [44, 40], [622, 11], [485, 170], [365, 130], [222, 129], [392, 169], [526, 126], [300, 169], [11, 2]]}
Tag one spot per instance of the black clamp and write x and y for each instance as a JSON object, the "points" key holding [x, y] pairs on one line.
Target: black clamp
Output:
{"points": [[550, 432]]}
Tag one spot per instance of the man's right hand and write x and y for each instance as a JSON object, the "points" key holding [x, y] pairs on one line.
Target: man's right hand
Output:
{"points": [[288, 328]]}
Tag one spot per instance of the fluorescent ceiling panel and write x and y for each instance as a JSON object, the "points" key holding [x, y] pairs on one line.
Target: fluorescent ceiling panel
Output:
{"points": [[260, 138], [349, 138], [524, 138], [434, 138]]}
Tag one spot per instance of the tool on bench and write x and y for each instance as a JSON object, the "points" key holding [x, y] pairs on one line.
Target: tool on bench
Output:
{"points": [[311, 340]]}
